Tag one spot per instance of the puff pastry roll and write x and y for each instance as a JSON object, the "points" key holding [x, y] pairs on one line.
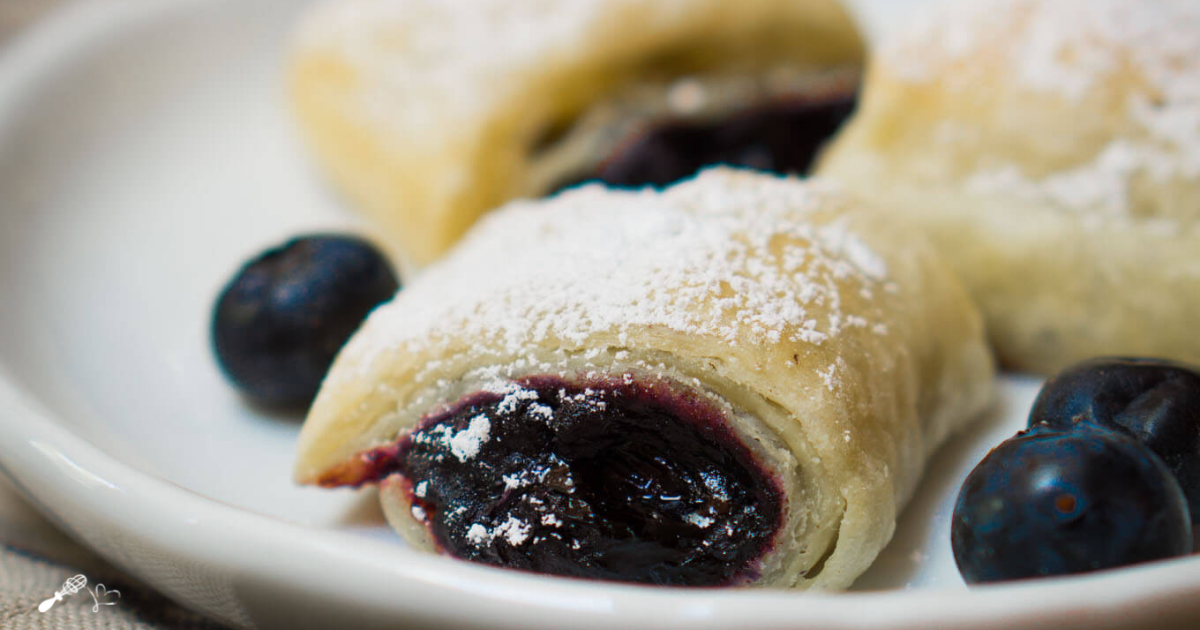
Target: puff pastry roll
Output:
{"points": [[737, 380], [427, 113], [1052, 149]]}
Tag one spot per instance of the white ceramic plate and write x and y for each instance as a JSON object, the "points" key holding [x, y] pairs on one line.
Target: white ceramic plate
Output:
{"points": [[144, 153]]}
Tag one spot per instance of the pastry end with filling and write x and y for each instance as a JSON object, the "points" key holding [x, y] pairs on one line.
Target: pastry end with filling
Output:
{"points": [[618, 479]]}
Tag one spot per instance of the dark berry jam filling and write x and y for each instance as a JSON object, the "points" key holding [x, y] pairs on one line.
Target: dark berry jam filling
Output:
{"points": [[617, 479], [781, 136]]}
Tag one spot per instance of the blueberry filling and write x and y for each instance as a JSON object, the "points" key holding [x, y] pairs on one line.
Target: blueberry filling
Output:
{"points": [[780, 136], [636, 482]]}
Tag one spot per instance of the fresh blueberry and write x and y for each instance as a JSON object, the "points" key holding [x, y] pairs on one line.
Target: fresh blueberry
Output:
{"points": [[1048, 502], [278, 324], [1156, 401]]}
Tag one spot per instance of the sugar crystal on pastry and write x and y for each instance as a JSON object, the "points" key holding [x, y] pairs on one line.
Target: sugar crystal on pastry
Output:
{"points": [[770, 362]]}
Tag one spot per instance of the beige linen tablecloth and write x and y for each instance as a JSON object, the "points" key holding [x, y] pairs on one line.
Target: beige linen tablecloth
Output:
{"points": [[35, 559]]}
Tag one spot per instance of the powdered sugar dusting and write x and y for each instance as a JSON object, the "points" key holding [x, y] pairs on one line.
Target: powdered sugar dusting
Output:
{"points": [[1101, 187], [466, 443], [830, 375], [745, 257], [514, 395], [933, 41], [1064, 46], [514, 531], [1147, 49], [478, 534]]}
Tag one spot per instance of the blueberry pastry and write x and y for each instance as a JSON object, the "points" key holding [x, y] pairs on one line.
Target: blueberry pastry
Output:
{"points": [[427, 113], [1052, 149], [736, 380]]}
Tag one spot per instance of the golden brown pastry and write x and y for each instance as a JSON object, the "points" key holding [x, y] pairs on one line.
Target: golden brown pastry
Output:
{"points": [[1052, 149], [737, 380], [427, 113]]}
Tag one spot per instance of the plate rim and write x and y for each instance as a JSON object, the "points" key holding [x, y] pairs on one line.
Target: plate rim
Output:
{"points": [[89, 494]]}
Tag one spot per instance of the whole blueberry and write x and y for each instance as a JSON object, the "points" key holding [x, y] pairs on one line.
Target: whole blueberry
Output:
{"points": [[279, 322], [1155, 401], [1047, 502]]}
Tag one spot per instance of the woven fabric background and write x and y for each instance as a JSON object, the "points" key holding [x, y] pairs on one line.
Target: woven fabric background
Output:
{"points": [[35, 559]]}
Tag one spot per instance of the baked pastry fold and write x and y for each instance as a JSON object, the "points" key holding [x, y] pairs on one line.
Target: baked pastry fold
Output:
{"points": [[427, 113], [1051, 148], [762, 351]]}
